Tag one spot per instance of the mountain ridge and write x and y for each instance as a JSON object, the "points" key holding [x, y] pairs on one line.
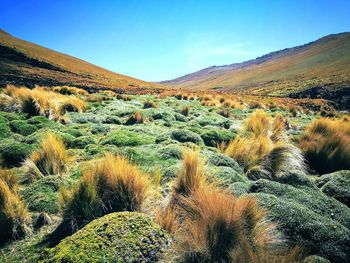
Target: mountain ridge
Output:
{"points": [[324, 63]]}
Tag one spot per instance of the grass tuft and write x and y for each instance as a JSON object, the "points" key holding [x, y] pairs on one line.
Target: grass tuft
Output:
{"points": [[112, 184], [326, 145], [51, 158], [14, 217]]}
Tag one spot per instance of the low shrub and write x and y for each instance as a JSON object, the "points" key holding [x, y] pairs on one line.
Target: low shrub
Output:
{"points": [[215, 137], [185, 111], [120, 237]]}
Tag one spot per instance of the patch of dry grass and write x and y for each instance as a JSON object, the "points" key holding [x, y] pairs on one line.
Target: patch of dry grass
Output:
{"points": [[39, 101], [50, 158], [135, 118], [111, 184], [326, 145], [263, 148], [14, 216]]}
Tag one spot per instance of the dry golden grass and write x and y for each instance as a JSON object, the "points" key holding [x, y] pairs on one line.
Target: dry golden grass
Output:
{"points": [[224, 113], [66, 90], [51, 158], [111, 184], [259, 123], [40, 101], [263, 149], [149, 104], [10, 178], [278, 128], [191, 175], [211, 225], [326, 145], [14, 217], [185, 110], [135, 118]]}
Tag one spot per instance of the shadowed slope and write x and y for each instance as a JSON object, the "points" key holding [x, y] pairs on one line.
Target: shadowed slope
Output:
{"points": [[25, 63]]}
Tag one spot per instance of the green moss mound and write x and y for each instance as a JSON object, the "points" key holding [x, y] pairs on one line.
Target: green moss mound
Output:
{"points": [[82, 141], [186, 136], [22, 127], [337, 185], [116, 237], [13, 154], [41, 195], [42, 122], [214, 137], [127, 138], [307, 217]]}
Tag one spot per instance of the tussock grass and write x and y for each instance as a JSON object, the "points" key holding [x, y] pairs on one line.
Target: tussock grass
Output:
{"points": [[185, 111], [50, 158], [263, 148], [221, 228], [135, 118], [111, 184], [149, 104], [211, 225], [39, 101], [259, 123], [224, 113], [14, 217], [326, 145], [67, 90], [191, 175]]}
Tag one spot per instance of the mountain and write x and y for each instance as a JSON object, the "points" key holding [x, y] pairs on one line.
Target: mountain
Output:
{"points": [[319, 68], [25, 63]]}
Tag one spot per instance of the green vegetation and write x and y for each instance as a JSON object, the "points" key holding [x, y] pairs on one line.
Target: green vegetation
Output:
{"points": [[117, 237], [175, 160]]}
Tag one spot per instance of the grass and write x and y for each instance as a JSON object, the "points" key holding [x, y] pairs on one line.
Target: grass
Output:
{"points": [[191, 175], [14, 218], [326, 145], [263, 149], [135, 118], [211, 225], [51, 158], [40, 101], [222, 228], [111, 184], [178, 181]]}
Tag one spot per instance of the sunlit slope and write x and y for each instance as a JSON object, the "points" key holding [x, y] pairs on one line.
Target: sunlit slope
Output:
{"points": [[22, 62], [325, 62]]}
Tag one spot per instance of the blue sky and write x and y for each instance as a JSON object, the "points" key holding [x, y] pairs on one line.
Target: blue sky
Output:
{"points": [[163, 39]]}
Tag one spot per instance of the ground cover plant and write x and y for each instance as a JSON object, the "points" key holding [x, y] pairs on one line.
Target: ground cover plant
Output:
{"points": [[179, 176]]}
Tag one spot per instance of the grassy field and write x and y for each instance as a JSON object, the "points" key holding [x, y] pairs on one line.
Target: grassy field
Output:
{"points": [[172, 177]]}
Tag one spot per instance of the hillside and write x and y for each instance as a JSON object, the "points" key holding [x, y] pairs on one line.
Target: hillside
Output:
{"points": [[322, 65], [25, 63]]}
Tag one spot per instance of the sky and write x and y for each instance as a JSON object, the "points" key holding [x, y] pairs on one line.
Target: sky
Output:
{"points": [[163, 39]]}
